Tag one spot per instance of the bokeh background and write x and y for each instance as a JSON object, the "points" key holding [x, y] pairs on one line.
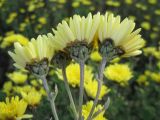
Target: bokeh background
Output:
{"points": [[20, 20]]}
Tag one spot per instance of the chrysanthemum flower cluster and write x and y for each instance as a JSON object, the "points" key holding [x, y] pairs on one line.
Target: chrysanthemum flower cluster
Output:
{"points": [[74, 41]]}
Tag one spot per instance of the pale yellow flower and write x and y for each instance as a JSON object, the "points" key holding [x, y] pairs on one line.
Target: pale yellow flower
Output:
{"points": [[13, 109], [120, 73], [121, 33], [79, 29], [87, 108], [35, 51], [91, 89]]}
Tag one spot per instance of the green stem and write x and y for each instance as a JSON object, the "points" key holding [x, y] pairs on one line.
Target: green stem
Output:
{"points": [[69, 93], [81, 91], [50, 97], [100, 81]]}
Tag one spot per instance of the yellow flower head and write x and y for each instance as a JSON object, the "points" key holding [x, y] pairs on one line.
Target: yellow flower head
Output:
{"points": [[34, 51], [87, 108], [13, 109], [26, 88], [42, 20], [8, 40], [18, 77], [11, 17], [142, 80], [91, 89], [33, 97], [120, 73], [155, 77], [73, 74], [79, 29], [121, 34], [151, 51], [7, 87]]}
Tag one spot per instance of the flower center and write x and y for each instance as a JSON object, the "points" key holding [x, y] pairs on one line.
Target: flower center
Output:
{"points": [[108, 49], [38, 68], [79, 51], [61, 59]]}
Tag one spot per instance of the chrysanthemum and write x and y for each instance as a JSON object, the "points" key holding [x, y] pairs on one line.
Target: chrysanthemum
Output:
{"points": [[17, 77], [79, 33], [91, 89], [117, 37], [33, 97], [73, 74], [36, 52], [119, 73], [87, 108], [13, 109], [78, 29]]}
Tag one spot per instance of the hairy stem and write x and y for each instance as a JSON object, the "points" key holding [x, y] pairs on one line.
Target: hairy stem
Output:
{"points": [[69, 93], [50, 97], [100, 81], [81, 91]]}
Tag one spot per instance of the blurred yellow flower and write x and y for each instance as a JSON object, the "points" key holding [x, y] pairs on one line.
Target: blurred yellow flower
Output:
{"points": [[152, 1], [147, 17], [73, 74], [13, 109], [142, 80], [7, 87], [91, 89], [33, 97], [141, 6], [75, 4], [86, 2], [36, 82], [157, 12], [42, 20], [155, 77], [146, 25], [11, 17], [152, 51], [61, 1], [120, 73], [17, 77], [129, 2], [31, 7], [113, 3], [154, 35], [87, 108], [22, 26], [8, 40]]}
